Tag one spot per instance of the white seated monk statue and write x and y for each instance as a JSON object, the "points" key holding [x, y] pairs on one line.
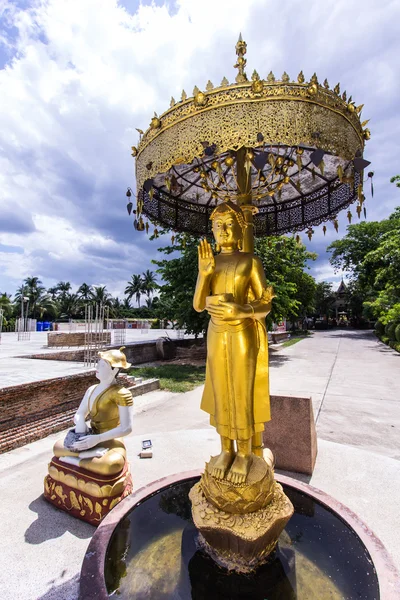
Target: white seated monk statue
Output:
{"points": [[93, 453]]}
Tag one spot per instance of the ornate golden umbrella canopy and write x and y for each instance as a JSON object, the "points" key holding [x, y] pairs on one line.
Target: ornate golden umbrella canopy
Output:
{"points": [[293, 149]]}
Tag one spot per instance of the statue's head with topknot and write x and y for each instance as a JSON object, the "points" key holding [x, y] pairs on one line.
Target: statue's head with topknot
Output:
{"points": [[228, 225]]}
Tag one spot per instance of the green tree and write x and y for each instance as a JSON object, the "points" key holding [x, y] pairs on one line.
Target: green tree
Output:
{"points": [[6, 304], [85, 292], [149, 283], [396, 180], [63, 287], [179, 277], [53, 292], [100, 295], [134, 288], [370, 252], [126, 304], [69, 306], [324, 299], [284, 261], [32, 289], [348, 254]]}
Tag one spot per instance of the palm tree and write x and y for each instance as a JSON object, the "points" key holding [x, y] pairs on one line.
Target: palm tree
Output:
{"points": [[34, 291], [117, 308], [101, 296], [68, 305], [46, 305], [63, 287], [85, 292], [32, 282], [135, 288], [6, 304], [53, 291], [149, 283], [22, 292], [126, 303]]}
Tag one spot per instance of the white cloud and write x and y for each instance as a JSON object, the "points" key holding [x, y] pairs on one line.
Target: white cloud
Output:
{"points": [[85, 73]]}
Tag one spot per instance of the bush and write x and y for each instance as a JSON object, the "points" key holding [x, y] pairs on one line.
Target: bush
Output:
{"points": [[379, 328], [385, 339], [390, 331], [397, 333]]}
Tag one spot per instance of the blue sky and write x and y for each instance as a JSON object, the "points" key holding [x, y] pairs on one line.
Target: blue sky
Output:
{"points": [[78, 76]]}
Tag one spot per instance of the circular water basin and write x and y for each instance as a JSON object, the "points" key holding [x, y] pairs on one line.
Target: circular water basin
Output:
{"points": [[147, 548]]}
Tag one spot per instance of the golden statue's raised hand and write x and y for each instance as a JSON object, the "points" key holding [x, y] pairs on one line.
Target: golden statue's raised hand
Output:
{"points": [[206, 259]]}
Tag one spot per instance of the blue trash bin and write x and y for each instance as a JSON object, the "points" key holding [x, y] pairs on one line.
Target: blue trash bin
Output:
{"points": [[39, 326], [46, 326]]}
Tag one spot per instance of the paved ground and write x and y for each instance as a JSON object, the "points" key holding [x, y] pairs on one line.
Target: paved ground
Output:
{"points": [[14, 372], [37, 344], [354, 381]]}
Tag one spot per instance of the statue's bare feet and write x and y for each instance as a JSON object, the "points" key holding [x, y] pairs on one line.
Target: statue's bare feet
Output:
{"points": [[222, 464], [240, 469]]}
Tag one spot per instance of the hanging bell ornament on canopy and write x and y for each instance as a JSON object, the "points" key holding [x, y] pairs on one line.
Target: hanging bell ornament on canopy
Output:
{"points": [[370, 176], [129, 205], [358, 209], [349, 216], [336, 225], [324, 229]]}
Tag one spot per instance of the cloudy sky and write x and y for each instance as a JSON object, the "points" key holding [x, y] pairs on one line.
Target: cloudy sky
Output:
{"points": [[78, 76]]}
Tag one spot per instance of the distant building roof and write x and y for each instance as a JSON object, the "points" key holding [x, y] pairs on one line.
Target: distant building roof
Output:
{"points": [[342, 288]]}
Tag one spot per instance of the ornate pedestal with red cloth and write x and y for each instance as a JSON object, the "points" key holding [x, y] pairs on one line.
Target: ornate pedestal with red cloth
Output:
{"points": [[83, 494]]}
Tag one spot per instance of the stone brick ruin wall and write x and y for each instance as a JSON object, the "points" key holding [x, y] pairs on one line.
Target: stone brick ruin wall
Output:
{"points": [[77, 338], [31, 411]]}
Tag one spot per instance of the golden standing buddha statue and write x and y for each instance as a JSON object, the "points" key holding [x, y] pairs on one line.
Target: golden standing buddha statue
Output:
{"points": [[232, 287]]}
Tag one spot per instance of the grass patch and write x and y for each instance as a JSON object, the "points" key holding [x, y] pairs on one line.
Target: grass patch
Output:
{"points": [[292, 341], [174, 378]]}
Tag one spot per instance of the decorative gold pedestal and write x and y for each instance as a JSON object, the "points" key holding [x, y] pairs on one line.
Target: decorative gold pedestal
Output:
{"points": [[83, 494], [240, 525]]}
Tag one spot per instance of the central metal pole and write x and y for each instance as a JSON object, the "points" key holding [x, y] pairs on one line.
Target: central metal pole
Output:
{"points": [[244, 198]]}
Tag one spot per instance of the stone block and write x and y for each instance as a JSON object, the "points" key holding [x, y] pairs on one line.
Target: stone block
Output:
{"points": [[291, 434]]}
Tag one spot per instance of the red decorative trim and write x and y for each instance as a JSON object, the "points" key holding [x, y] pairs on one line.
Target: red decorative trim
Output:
{"points": [[79, 503]]}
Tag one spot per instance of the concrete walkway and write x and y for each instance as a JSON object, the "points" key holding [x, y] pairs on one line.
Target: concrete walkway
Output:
{"points": [[355, 384], [15, 370]]}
